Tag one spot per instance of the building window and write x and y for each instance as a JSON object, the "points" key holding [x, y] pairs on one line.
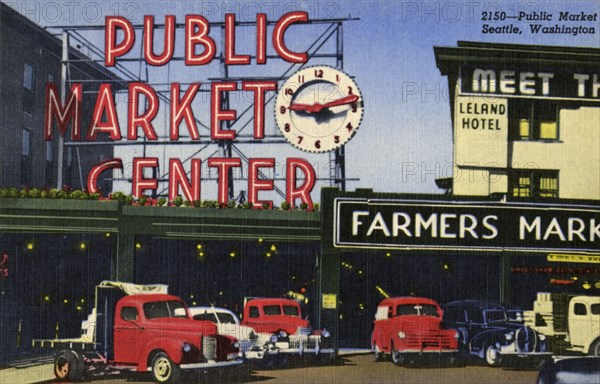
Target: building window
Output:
{"points": [[49, 153], [533, 120], [69, 156], [534, 184], [28, 77], [26, 157], [522, 186], [26, 144], [28, 88], [49, 169]]}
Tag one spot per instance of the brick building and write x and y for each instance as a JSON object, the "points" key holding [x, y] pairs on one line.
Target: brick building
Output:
{"points": [[30, 56]]}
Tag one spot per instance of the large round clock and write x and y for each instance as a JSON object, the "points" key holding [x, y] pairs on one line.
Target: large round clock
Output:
{"points": [[319, 109]]}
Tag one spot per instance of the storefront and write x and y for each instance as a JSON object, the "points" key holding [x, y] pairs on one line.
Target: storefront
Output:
{"points": [[54, 252], [382, 244]]}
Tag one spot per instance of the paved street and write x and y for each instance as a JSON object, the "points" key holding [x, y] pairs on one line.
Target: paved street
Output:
{"points": [[360, 369]]}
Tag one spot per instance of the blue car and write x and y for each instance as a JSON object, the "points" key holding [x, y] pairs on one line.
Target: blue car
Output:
{"points": [[492, 331]]}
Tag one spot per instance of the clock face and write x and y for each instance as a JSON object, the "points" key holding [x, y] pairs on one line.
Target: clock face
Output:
{"points": [[318, 109]]}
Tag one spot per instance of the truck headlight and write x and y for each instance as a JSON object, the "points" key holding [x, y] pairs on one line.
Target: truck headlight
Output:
{"points": [[508, 336], [187, 347], [401, 335], [283, 334], [325, 333], [542, 337], [235, 344], [273, 338]]}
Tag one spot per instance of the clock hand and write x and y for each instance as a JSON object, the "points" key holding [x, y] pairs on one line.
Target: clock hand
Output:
{"points": [[318, 107], [299, 107], [344, 100]]}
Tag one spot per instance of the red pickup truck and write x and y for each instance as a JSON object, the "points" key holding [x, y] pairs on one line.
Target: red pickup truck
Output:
{"points": [[411, 326], [279, 322], [148, 330]]}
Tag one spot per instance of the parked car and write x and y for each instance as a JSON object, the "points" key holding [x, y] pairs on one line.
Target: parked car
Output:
{"points": [[492, 331], [576, 370], [254, 346], [144, 329], [280, 321], [411, 326]]}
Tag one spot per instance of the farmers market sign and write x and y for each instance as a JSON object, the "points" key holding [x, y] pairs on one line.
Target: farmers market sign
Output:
{"points": [[399, 224]]}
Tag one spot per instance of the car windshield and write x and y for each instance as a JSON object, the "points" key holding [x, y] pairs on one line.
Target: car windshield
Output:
{"points": [[206, 316], [226, 318], [495, 316], [160, 309], [515, 315], [417, 310], [272, 310]]}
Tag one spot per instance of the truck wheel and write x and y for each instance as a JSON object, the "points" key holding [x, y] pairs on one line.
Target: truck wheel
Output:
{"points": [[378, 353], [164, 370], [68, 366], [325, 359], [397, 357], [491, 356], [595, 349]]}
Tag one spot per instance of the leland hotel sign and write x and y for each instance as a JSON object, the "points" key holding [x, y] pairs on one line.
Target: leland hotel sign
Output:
{"points": [[399, 224], [318, 109]]}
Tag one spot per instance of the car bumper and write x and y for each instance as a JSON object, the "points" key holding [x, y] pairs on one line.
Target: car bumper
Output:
{"points": [[307, 351], [525, 354], [259, 355], [212, 364], [421, 351], [511, 350]]}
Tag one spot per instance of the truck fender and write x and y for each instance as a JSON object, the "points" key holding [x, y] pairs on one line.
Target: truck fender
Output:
{"points": [[463, 337], [395, 342], [592, 348], [173, 348], [378, 339], [479, 343]]}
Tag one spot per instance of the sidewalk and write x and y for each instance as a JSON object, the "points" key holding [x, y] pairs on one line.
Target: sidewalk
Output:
{"points": [[26, 375]]}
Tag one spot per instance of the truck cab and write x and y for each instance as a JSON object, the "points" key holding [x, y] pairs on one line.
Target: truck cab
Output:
{"points": [[571, 321], [584, 324], [411, 326], [280, 321], [273, 314], [144, 324]]}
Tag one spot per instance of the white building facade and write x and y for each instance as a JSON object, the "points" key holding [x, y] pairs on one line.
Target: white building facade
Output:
{"points": [[526, 120]]}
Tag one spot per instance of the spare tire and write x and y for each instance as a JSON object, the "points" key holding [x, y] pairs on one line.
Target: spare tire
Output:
{"points": [[526, 339], [68, 365]]}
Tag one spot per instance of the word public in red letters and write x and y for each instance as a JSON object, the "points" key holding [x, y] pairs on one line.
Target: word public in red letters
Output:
{"points": [[143, 105]]}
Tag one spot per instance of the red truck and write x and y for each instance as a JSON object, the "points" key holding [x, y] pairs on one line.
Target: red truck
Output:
{"points": [[141, 328], [411, 326], [279, 322]]}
